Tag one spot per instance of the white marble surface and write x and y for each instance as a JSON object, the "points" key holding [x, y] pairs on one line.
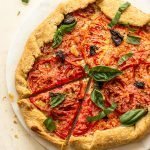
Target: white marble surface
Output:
{"points": [[12, 135]]}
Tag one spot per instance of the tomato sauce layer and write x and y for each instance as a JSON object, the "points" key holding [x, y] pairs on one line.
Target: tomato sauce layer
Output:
{"points": [[50, 72], [65, 113]]}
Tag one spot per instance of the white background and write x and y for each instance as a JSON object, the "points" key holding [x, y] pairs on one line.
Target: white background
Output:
{"points": [[12, 135]]}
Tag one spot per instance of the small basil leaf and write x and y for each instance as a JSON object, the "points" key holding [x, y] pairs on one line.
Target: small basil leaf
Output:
{"points": [[97, 98], [56, 99], [103, 73], [63, 29], [66, 28], [100, 116], [57, 39], [86, 68], [110, 109], [133, 40], [115, 20], [131, 117], [124, 58], [121, 9], [124, 6], [50, 124], [25, 1]]}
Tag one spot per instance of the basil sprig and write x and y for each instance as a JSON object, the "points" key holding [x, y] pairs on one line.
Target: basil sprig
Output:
{"points": [[25, 1], [124, 58], [121, 9], [103, 73], [97, 98], [56, 99], [102, 114], [131, 117], [63, 29], [50, 124], [131, 39]]}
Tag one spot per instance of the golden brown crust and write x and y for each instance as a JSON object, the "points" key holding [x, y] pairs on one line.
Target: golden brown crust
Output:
{"points": [[132, 15], [113, 137], [34, 119], [43, 34]]}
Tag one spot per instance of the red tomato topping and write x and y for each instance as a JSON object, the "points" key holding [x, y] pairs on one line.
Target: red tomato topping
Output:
{"points": [[49, 72], [74, 94]]}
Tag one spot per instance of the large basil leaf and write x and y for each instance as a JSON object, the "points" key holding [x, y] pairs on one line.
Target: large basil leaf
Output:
{"points": [[103, 73], [103, 114], [97, 98], [121, 9], [63, 29], [131, 117], [135, 40], [50, 124], [124, 58], [56, 99]]}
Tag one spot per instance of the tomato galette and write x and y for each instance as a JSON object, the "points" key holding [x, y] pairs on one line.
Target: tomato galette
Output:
{"points": [[84, 78]]}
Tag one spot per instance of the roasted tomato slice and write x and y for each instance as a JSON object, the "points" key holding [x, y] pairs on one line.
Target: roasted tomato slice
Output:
{"points": [[50, 72], [64, 113], [83, 126]]}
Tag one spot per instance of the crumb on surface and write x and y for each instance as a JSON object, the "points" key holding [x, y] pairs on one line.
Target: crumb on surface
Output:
{"points": [[4, 97], [18, 13], [16, 136], [11, 96], [15, 122]]}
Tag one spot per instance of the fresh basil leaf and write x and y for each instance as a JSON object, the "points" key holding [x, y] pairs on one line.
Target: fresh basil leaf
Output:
{"points": [[115, 20], [57, 39], [121, 9], [56, 99], [110, 109], [100, 116], [66, 28], [63, 29], [103, 73], [131, 117], [124, 6], [104, 113], [86, 68], [25, 1], [97, 98], [135, 40], [50, 124], [125, 58]]}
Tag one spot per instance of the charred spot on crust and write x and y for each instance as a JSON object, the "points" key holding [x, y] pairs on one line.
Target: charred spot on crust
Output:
{"points": [[116, 37], [35, 129], [68, 19], [139, 85], [93, 49], [60, 56]]}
